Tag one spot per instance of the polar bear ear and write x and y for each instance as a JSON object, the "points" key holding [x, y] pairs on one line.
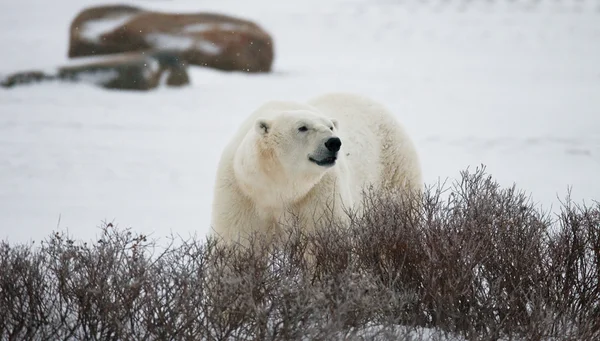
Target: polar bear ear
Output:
{"points": [[335, 122], [262, 126]]}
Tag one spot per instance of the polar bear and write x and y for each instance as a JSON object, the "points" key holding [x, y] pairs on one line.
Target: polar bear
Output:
{"points": [[309, 159]]}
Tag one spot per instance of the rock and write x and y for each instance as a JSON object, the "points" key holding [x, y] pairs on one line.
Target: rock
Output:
{"points": [[130, 71], [24, 78], [212, 40], [177, 77]]}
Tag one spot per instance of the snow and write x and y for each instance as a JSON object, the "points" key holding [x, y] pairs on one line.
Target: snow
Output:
{"points": [[377, 332], [208, 47], [514, 85], [98, 77], [199, 28], [93, 29], [169, 41], [152, 67]]}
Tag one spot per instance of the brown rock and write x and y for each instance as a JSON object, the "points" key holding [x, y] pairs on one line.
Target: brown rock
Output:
{"points": [[133, 70], [24, 77], [213, 40], [130, 71], [177, 77]]}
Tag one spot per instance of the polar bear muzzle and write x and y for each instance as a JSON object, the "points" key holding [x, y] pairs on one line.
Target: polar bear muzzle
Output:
{"points": [[327, 156]]}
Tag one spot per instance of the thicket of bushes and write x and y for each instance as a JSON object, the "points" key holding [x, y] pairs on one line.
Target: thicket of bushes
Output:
{"points": [[478, 262]]}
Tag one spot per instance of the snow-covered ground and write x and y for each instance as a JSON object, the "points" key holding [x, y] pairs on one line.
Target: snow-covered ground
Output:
{"points": [[514, 85]]}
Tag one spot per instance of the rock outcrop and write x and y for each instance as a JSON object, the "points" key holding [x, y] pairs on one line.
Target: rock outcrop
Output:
{"points": [[206, 39], [128, 71]]}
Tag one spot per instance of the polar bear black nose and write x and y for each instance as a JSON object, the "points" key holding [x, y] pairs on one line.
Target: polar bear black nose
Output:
{"points": [[333, 144]]}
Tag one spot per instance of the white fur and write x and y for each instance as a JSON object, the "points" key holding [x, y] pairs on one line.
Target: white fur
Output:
{"points": [[265, 173]]}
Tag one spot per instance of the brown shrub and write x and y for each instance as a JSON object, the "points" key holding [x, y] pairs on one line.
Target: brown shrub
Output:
{"points": [[468, 261]]}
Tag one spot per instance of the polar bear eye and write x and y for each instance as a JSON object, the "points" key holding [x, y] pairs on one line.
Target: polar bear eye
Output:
{"points": [[331, 128], [303, 128]]}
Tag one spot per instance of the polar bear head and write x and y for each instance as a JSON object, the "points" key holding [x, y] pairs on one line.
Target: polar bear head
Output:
{"points": [[301, 142], [287, 153]]}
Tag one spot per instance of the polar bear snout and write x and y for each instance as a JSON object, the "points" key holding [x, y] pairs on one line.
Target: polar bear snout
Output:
{"points": [[333, 144], [328, 155]]}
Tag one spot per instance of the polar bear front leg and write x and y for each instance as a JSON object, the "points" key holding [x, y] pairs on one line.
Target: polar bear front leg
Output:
{"points": [[325, 205], [233, 217]]}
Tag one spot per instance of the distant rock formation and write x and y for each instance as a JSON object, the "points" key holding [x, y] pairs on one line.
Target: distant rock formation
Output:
{"points": [[143, 70], [212, 40]]}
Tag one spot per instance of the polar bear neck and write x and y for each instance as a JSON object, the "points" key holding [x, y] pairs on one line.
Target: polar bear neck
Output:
{"points": [[264, 180]]}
